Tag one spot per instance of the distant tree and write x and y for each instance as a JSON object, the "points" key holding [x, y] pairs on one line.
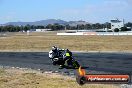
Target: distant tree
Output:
{"points": [[129, 24], [55, 27], [40, 27], [59, 27], [107, 25], [98, 26], [9, 28], [49, 26], [116, 30], [33, 27], [124, 29], [17, 29], [26, 28], [21, 28], [93, 26], [68, 27], [0, 28], [80, 26], [88, 26], [73, 28]]}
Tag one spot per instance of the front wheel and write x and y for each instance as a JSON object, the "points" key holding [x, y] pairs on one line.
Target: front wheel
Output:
{"points": [[53, 62]]}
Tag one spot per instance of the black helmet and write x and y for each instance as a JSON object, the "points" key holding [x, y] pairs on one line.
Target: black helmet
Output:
{"points": [[67, 49]]}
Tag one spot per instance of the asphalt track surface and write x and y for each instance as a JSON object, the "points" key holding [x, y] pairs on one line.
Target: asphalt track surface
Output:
{"points": [[92, 62]]}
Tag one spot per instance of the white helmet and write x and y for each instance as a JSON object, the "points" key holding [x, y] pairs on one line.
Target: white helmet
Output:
{"points": [[54, 48]]}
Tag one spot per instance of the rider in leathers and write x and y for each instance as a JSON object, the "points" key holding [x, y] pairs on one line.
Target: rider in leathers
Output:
{"points": [[67, 55], [67, 58]]}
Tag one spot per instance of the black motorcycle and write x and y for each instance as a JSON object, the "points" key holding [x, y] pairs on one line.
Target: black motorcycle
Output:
{"points": [[71, 62]]}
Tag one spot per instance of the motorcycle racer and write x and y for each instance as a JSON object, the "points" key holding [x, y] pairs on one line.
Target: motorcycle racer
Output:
{"points": [[67, 56], [63, 58]]}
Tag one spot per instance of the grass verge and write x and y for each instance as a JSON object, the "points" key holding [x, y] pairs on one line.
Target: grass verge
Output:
{"points": [[15, 78], [44, 41]]}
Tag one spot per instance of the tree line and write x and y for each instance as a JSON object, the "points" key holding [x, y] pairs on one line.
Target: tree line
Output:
{"points": [[54, 27]]}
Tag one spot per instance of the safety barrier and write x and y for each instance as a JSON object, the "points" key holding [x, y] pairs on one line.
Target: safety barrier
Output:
{"points": [[78, 33], [97, 33]]}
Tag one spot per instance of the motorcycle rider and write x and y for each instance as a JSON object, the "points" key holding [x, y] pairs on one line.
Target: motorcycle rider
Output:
{"points": [[67, 56]]}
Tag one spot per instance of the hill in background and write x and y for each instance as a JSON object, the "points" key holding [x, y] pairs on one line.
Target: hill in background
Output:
{"points": [[46, 22]]}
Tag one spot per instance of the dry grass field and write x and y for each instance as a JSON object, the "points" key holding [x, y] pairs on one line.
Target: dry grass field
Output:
{"points": [[44, 41], [15, 78]]}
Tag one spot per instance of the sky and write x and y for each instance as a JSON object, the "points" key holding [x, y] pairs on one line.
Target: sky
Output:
{"points": [[92, 11]]}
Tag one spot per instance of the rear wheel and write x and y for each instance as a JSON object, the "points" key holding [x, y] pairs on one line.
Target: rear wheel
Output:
{"points": [[54, 63], [71, 63]]}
